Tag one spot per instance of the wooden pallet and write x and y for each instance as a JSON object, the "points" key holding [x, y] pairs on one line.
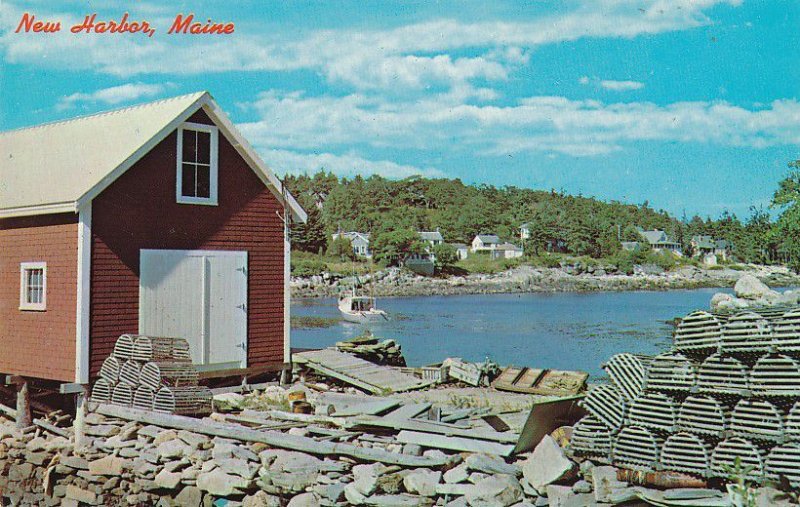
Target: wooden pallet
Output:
{"points": [[357, 372], [540, 381]]}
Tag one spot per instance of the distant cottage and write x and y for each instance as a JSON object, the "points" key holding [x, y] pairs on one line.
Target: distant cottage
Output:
{"points": [[358, 240], [659, 241], [485, 242]]}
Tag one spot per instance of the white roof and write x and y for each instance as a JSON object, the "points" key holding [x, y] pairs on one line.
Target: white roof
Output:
{"points": [[59, 167]]}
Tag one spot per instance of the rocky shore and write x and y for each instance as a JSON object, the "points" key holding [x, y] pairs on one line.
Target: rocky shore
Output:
{"points": [[572, 278]]}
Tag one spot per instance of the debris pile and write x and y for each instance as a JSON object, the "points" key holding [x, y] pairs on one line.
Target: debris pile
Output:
{"points": [[725, 399], [369, 348], [152, 373]]}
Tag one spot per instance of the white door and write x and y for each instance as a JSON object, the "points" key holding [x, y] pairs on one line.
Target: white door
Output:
{"points": [[200, 296]]}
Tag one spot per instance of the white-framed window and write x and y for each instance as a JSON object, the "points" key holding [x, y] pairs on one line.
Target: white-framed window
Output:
{"points": [[33, 286], [197, 164]]}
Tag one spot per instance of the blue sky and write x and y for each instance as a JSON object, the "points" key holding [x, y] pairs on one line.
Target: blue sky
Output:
{"points": [[689, 104]]}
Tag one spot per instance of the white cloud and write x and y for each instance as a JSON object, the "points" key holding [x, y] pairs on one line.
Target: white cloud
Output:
{"points": [[539, 124], [621, 86], [111, 96], [349, 165], [584, 80]]}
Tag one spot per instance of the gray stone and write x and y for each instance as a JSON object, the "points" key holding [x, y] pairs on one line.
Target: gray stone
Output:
{"points": [[173, 449], [75, 462], [365, 477], [457, 474], [194, 440], [605, 483], [334, 492], [563, 496], [399, 501], [189, 496], [494, 491], [164, 436], [422, 481], [227, 402], [547, 464], [261, 499], [110, 466], [491, 465], [750, 287], [168, 480], [218, 483], [236, 466], [353, 496], [149, 431], [412, 449], [304, 500], [582, 487], [81, 495], [102, 430]]}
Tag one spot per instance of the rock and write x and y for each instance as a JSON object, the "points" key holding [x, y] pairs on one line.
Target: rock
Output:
{"points": [[236, 466], [365, 477], [547, 464], [412, 449], [605, 483], [563, 496], [261, 499], [771, 497], [110, 465], [172, 449], [721, 301], [491, 464], [228, 402], [193, 440], [334, 492], [218, 483], [392, 483], [457, 474], [168, 480], [304, 500], [189, 496], [495, 491], [353, 496], [164, 436], [750, 287], [399, 501], [102, 430], [582, 487], [422, 481], [81, 495]]}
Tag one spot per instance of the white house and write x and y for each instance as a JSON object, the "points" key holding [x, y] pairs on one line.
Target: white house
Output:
{"points": [[659, 241], [359, 242], [525, 231], [507, 251], [485, 243], [462, 250]]}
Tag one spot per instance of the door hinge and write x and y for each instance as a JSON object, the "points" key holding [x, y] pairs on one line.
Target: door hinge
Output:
{"points": [[242, 307]]}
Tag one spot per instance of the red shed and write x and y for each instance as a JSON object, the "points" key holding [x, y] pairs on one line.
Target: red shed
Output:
{"points": [[159, 219]]}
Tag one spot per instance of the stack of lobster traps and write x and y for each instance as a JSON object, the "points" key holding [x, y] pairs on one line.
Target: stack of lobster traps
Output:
{"points": [[725, 397], [152, 373]]}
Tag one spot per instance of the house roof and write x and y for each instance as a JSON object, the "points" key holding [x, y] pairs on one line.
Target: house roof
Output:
{"points": [[60, 167], [352, 235], [458, 246], [431, 235], [703, 241], [488, 238], [509, 246]]}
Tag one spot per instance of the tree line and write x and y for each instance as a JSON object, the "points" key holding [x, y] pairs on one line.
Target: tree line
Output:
{"points": [[392, 210]]}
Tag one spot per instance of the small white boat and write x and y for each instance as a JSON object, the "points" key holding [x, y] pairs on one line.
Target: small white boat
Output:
{"points": [[360, 309]]}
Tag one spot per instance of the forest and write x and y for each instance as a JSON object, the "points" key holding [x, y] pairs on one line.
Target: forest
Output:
{"points": [[390, 210]]}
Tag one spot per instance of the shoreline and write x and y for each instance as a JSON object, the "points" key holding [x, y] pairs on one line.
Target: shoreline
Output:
{"points": [[394, 282]]}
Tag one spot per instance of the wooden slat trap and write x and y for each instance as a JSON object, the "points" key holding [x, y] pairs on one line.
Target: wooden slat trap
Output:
{"points": [[144, 397], [722, 375], [591, 438], [725, 453], [158, 374], [671, 371], [703, 415], [194, 400], [786, 332], [158, 348], [130, 372], [122, 395], [654, 410], [628, 372], [784, 461], [102, 390], [698, 333], [746, 333], [775, 375], [685, 452], [637, 447], [110, 369], [607, 405], [793, 423], [123, 348], [757, 419]]}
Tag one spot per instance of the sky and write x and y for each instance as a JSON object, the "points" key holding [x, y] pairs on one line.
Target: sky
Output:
{"points": [[690, 105]]}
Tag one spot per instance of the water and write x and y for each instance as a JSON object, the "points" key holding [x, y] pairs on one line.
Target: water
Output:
{"points": [[562, 331]]}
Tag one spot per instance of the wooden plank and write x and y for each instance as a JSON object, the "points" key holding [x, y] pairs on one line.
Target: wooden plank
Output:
{"points": [[409, 411], [369, 408], [271, 438], [419, 425], [454, 443]]}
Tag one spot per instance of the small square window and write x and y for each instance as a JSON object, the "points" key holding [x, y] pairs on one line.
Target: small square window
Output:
{"points": [[33, 286], [197, 164]]}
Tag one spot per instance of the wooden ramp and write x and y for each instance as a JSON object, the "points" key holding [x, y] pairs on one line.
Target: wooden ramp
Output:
{"points": [[371, 377]]}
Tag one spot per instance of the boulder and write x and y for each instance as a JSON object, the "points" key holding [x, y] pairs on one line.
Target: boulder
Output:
{"points": [[491, 465], [110, 465], [457, 474], [750, 287], [172, 449], [228, 402], [547, 464], [495, 491], [168, 480], [81, 495], [189, 496], [218, 483], [304, 500], [605, 483], [365, 477], [422, 482]]}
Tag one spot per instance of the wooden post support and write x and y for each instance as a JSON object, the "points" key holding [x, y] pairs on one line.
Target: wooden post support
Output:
{"points": [[286, 376], [79, 424], [24, 418]]}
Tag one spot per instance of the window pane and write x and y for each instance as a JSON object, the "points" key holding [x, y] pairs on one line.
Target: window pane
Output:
{"points": [[188, 180], [189, 146], [204, 147], [203, 181], [37, 295]]}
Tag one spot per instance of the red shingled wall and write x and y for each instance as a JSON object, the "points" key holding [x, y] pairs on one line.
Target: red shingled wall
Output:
{"points": [[138, 211], [32, 343]]}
